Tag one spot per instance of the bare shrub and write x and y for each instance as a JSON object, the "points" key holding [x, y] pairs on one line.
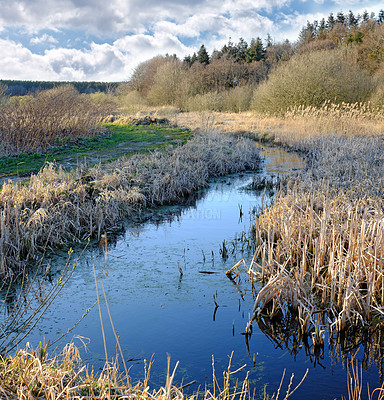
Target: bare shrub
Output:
{"points": [[377, 97], [316, 45], [33, 123], [144, 74], [238, 99], [310, 80], [169, 84], [211, 101]]}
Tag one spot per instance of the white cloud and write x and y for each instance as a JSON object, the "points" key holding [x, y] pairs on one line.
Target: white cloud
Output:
{"points": [[18, 62], [193, 26], [132, 31], [102, 62], [45, 38], [120, 16]]}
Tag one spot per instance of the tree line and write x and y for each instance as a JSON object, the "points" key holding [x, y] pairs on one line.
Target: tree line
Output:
{"points": [[22, 88], [242, 75], [339, 59]]}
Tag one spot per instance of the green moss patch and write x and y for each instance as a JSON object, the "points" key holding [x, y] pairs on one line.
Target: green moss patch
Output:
{"points": [[117, 141]]}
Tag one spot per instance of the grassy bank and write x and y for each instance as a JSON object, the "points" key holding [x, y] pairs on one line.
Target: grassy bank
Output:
{"points": [[117, 139], [57, 207]]}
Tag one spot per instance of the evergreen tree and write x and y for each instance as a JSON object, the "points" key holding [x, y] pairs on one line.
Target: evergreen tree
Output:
{"points": [[307, 33], [340, 18], [229, 50], [331, 22], [202, 55], [365, 16], [268, 40], [322, 30], [193, 58], [352, 21], [188, 60], [256, 51], [242, 49], [380, 18]]}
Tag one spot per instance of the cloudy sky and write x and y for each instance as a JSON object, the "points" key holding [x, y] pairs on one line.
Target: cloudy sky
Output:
{"points": [[103, 40]]}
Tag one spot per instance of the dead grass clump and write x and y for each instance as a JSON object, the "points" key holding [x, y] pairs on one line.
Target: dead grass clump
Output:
{"points": [[348, 119], [31, 374], [33, 123], [164, 177], [57, 207], [321, 242], [323, 250]]}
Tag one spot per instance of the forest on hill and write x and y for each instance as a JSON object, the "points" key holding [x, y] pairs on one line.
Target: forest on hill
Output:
{"points": [[338, 59]]}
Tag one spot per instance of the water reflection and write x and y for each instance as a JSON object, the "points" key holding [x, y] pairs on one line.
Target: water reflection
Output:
{"points": [[168, 292]]}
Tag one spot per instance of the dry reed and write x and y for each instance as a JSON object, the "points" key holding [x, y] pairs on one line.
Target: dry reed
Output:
{"points": [[33, 123], [297, 124], [321, 243], [32, 374]]}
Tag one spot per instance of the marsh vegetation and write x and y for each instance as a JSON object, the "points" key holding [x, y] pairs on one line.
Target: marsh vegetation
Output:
{"points": [[317, 270]]}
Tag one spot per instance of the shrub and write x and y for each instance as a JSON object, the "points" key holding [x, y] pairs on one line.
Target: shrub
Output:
{"points": [[310, 80], [33, 123], [238, 99], [211, 101], [168, 87], [377, 98]]}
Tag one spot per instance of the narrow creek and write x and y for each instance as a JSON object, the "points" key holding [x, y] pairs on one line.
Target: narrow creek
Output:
{"points": [[157, 310]]}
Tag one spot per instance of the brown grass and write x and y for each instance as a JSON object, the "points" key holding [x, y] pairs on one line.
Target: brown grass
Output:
{"points": [[32, 374], [321, 242], [57, 207], [297, 124]]}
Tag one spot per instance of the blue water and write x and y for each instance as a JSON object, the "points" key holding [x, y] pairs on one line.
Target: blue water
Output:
{"points": [[157, 311]]}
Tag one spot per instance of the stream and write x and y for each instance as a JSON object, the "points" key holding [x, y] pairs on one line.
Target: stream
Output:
{"points": [[157, 310]]}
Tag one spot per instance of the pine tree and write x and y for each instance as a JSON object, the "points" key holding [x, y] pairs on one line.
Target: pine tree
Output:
{"points": [[365, 16], [229, 50], [268, 40], [331, 22], [352, 21], [322, 30], [256, 51], [188, 60], [202, 55], [307, 33], [242, 49], [380, 18], [340, 18]]}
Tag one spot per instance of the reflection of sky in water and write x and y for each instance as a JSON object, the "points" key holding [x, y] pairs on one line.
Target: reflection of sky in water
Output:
{"points": [[155, 311]]}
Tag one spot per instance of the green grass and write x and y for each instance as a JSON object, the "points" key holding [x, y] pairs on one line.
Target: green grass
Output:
{"points": [[119, 140]]}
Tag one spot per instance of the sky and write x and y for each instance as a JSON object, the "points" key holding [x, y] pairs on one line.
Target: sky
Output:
{"points": [[104, 40]]}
